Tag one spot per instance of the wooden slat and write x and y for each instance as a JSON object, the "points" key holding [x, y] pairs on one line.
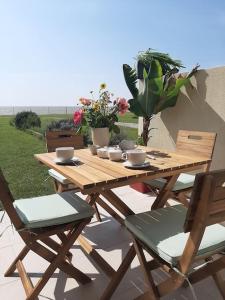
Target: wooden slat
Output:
{"points": [[96, 172], [117, 203], [88, 248], [63, 138], [196, 142], [217, 206], [27, 284]]}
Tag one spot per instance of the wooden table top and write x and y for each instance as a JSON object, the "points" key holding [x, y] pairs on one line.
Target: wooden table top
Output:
{"points": [[95, 172]]}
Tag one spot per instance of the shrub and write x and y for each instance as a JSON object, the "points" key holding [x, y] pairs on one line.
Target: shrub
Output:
{"points": [[25, 120], [65, 124]]}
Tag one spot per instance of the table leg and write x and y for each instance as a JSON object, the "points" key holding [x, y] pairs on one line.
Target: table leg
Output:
{"points": [[165, 192], [117, 203], [110, 211], [122, 208], [97, 258]]}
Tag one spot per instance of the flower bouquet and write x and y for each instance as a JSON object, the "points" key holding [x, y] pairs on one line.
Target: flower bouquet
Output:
{"points": [[100, 115]]}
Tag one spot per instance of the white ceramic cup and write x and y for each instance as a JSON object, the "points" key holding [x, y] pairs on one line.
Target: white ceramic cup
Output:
{"points": [[64, 153], [135, 156], [115, 154]]}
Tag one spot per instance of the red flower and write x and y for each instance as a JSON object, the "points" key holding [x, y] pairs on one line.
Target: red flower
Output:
{"points": [[78, 117], [122, 105]]}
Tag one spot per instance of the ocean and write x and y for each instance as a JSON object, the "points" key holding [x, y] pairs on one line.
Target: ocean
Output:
{"points": [[40, 110]]}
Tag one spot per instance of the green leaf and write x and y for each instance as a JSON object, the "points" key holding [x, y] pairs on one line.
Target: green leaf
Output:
{"points": [[131, 79], [135, 107], [155, 70]]}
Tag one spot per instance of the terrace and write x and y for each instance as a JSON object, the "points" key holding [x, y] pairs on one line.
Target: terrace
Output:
{"points": [[108, 237], [112, 242], [112, 165]]}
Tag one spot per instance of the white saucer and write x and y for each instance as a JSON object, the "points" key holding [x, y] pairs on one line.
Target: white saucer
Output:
{"points": [[67, 161], [127, 164]]}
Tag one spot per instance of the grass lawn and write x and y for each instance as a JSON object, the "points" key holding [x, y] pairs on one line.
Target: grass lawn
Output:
{"points": [[25, 175]]}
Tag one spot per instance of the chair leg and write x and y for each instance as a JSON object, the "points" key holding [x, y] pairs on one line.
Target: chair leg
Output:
{"points": [[55, 260], [56, 247], [97, 212], [182, 198], [220, 283], [147, 274], [119, 274], [20, 257]]}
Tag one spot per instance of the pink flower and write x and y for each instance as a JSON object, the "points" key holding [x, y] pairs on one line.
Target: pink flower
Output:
{"points": [[78, 117], [122, 105], [85, 101]]}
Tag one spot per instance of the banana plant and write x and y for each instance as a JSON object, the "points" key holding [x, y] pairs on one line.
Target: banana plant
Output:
{"points": [[160, 91]]}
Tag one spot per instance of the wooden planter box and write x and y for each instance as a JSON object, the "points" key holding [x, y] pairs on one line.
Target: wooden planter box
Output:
{"points": [[141, 187], [63, 138]]}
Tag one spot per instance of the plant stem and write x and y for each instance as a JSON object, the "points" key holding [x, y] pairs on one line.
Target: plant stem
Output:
{"points": [[145, 132]]}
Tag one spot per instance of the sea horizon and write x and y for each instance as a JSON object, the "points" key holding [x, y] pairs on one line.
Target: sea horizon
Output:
{"points": [[40, 110]]}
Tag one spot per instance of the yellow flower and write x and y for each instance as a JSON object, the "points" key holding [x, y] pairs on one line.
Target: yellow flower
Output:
{"points": [[102, 86], [96, 106]]}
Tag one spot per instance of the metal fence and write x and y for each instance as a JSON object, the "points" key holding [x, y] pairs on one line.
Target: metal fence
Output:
{"points": [[40, 110]]}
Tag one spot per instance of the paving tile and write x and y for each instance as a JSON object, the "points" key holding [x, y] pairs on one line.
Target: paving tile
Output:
{"points": [[112, 241]]}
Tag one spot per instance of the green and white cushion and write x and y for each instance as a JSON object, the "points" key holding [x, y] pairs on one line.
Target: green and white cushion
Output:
{"points": [[52, 210], [59, 177], [184, 181], [162, 231]]}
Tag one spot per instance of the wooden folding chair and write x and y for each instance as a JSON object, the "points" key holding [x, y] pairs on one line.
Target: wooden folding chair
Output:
{"points": [[188, 244], [62, 138], [37, 220], [65, 138], [193, 143]]}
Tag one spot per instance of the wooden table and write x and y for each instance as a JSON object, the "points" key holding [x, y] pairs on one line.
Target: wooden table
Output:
{"points": [[97, 177]]}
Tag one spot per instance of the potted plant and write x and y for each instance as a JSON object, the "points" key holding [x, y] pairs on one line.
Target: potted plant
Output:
{"points": [[100, 115], [159, 85]]}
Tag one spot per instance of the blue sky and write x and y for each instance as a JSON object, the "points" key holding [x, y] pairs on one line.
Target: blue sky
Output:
{"points": [[55, 51]]}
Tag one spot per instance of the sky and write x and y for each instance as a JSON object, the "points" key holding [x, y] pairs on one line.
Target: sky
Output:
{"points": [[52, 52]]}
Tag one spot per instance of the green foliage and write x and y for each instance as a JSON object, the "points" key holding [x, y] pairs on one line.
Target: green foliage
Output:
{"points": [[25, 120], [145, 58], [64, 124], [159, 91], [96, 119]]}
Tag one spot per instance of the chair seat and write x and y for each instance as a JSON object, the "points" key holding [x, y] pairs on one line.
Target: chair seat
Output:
{"points": [[59, 177], [52, 210], [184, 181], [162, 231]]}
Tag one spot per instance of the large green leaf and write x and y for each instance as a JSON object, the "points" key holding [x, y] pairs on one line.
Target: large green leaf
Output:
{"points": [[155, 70], [135, 107], [131, 79]]}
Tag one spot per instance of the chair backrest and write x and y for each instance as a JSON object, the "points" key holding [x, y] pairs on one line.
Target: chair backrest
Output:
{"points": [[207, 202], [65, 138], [7, 200], [196, 143]]}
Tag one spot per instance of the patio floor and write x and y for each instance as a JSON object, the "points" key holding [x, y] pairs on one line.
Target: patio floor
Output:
{"points": [[112, 241]]}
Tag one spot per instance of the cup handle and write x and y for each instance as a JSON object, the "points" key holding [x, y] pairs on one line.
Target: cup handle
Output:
{"points": [[124, 155]]}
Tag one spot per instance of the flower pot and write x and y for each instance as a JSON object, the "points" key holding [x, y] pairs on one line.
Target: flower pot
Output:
{"points": [[100, 136], [141, 187]]}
